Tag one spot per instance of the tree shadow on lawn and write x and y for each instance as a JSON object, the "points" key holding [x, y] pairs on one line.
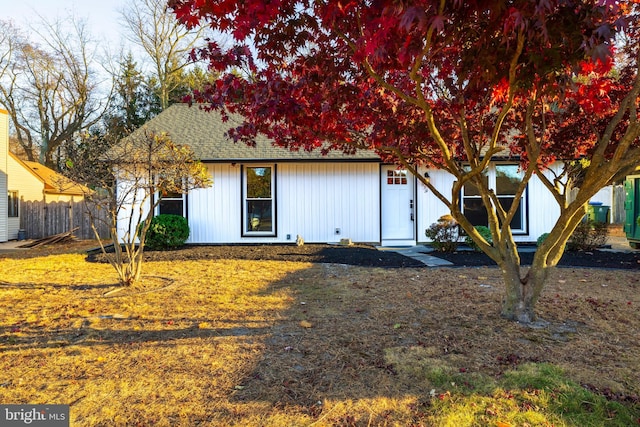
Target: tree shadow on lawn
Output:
{"points": [[357, 333], [15, 337], [79, 288]]}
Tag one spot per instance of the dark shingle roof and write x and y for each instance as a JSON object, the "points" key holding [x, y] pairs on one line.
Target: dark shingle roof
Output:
{"points": [[205, 133]]}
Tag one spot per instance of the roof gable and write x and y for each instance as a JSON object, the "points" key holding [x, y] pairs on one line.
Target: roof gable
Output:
{"points": [[205, 132], [54, 183]]}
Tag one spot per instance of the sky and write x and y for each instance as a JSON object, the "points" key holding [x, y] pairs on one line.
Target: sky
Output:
{"points": [[102, 15]]}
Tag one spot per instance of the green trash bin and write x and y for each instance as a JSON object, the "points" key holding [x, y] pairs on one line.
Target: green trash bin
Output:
{"points": [[598, 213]]}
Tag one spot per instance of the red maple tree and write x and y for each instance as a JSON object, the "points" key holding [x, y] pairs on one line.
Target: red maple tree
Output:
{"points": [[446, 85]]}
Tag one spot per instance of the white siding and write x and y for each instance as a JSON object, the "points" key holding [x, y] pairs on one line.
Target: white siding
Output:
{"points": [[429, 207], [29, 188], [214, 212], [133, 205], [312, 200], [542, 210], [316, 199], [4, 150]]}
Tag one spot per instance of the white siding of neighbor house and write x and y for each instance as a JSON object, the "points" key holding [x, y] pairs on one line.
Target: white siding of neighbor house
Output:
{"points": [[312, 200], [4, 154], [542, 210], [29, 188]]}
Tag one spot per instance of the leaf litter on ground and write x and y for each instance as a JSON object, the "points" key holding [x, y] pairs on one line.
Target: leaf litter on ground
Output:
{"points": [[209, 350]]}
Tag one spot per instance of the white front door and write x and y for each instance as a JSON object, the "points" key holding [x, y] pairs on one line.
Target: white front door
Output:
{"points": [[397, 205]]}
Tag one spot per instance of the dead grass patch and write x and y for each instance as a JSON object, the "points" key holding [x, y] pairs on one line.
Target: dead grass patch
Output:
{"points": [[288, 343]]}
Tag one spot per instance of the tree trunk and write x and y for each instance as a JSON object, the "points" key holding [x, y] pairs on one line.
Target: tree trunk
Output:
{"points": [[521, 294]]}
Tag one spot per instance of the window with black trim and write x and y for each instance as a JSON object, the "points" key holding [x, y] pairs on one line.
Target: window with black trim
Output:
{"points": [[505, 180], [259, 200], [14, 203], [173, 203]]}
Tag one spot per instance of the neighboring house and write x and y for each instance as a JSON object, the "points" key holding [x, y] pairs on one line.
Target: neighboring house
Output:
{"points": [[268, 194], [33, 182], [4, 154]]}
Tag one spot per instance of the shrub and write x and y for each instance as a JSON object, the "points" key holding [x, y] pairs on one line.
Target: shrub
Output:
{"points": [[167, 232], [541, 239], [588, 235], [443, 234], [485, 232]]}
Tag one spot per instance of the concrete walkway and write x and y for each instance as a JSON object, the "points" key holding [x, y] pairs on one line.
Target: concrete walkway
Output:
{"points": [[12, 246], [418, 253]]}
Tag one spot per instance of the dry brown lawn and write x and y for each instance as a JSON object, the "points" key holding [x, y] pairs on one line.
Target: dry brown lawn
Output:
{"points": [[226, 342]]}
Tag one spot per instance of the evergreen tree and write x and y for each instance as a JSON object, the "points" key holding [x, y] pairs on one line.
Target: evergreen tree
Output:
{"points": [[134, 101]]}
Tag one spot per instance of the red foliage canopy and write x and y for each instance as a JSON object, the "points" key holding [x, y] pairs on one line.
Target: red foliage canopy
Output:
{"points": [[422, 81]]}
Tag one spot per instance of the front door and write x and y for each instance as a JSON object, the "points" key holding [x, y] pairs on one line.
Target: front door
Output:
{"points": [[397, 205]]}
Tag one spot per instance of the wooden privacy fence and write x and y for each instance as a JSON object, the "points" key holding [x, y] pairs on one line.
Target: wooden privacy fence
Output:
{"points": [[618, 215], [39, 219]]}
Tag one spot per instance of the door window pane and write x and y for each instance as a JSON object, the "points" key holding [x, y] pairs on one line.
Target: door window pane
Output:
{"points": [[397, 177]]}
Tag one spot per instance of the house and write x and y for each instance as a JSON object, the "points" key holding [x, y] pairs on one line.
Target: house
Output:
{"points": [[4, 154], [33, 182], [23, 182], [268, 194]]}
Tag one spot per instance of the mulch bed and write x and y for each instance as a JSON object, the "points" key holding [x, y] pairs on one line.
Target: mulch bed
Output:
{"points": [[369, 256], [594, 259], [362, 255]]}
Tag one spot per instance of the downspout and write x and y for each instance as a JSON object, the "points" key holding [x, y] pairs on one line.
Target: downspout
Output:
{"points": [[43, 226], [71, 203]]}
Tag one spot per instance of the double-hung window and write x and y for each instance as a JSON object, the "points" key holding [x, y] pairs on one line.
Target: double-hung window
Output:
{"points": [[504, 180], [259, 201], [172, 203]]}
